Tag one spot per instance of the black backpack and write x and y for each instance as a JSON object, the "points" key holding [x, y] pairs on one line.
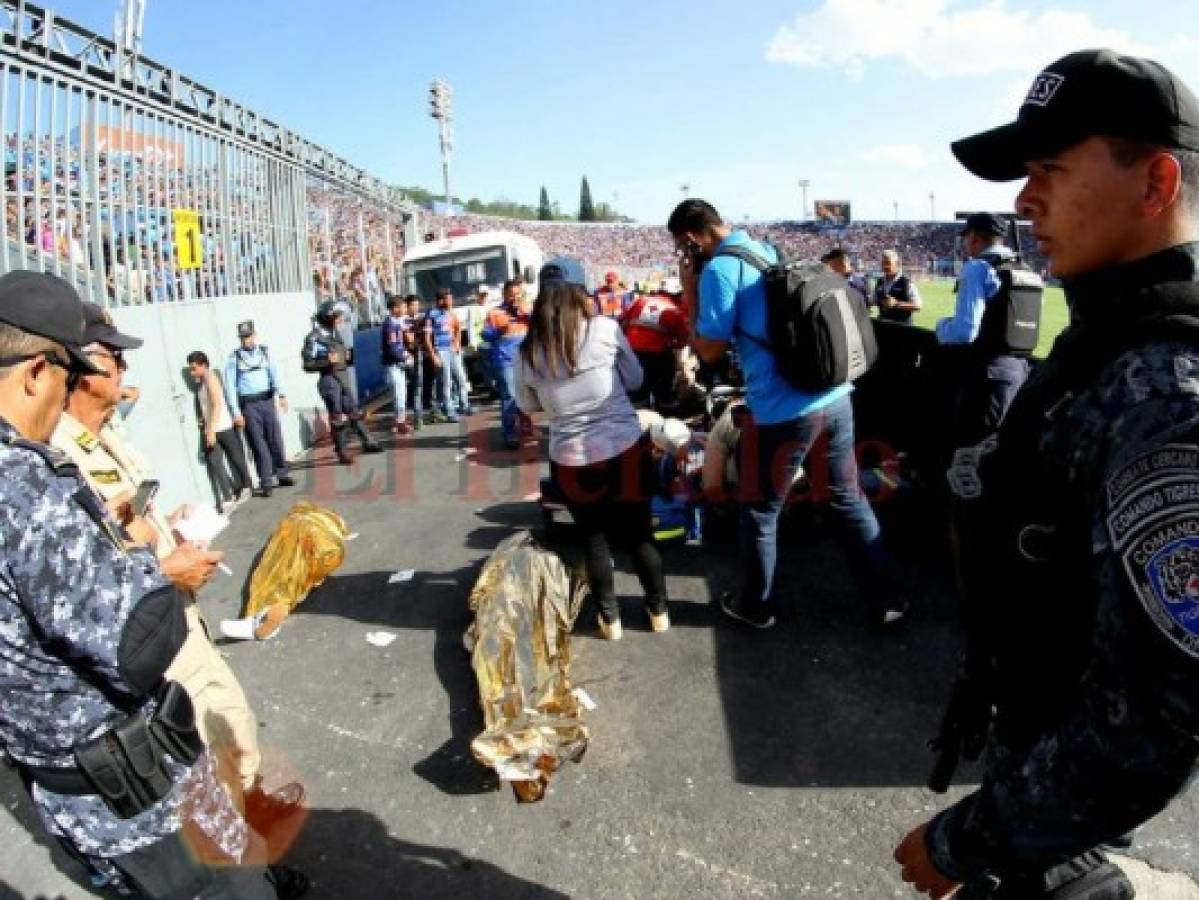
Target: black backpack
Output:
{"points": [[817, 327], [1011, 322]]}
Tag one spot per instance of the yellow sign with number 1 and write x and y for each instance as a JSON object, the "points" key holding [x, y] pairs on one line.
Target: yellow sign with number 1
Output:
{"points": [[189, 247]]}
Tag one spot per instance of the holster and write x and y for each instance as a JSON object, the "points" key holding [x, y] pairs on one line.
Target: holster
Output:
{"points": [[173, 727], [126, 764]]}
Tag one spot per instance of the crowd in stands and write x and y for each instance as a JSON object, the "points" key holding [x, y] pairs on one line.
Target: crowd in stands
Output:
{"points": [[342, 227], [925, 247], [355, 246]]}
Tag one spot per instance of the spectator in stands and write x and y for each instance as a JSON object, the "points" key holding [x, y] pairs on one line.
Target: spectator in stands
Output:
{"points": [[577, 367], [895, 294], [505, 330], [728, 297], [222, 442], [986, 378]]}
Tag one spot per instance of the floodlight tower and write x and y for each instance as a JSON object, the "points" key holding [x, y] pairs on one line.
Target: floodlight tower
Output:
{"points": [[441, 108], [804, 184]]}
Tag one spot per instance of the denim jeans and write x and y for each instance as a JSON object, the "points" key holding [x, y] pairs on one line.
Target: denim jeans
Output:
{"points": [[398, 376], [451, 384], [775, 452], [505, 384], [461, 382]]}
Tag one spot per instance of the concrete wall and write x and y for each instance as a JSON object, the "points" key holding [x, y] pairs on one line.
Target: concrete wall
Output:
{"points": [[164, 425]]}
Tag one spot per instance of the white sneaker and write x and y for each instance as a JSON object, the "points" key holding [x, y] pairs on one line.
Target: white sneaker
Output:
{"points": [[610, 630]]}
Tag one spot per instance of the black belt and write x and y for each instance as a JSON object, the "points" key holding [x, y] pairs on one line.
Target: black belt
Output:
{"points": [[250, 398], [67, 780]]}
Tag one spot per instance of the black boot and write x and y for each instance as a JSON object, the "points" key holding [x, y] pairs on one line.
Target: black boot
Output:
{"points": [[368, 443], [340, 444]]}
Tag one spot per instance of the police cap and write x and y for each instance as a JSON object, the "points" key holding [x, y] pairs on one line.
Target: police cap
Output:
{"points": [[98, 328], [46, 305], [985, 223], [1085, 94], [245, 329]]}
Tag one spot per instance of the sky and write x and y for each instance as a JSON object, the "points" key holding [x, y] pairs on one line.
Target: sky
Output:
{"points": [[738, 101]]}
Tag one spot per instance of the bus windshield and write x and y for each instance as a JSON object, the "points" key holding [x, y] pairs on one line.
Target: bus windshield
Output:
{"points": [[461, 272]]}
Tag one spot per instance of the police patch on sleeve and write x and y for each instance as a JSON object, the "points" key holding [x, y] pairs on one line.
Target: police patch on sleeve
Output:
{"points": [[1153, 524]]}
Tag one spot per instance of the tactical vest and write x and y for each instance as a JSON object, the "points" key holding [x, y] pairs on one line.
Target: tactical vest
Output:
{"points": [[1011, 322], [1026, 541], [898, 289]]}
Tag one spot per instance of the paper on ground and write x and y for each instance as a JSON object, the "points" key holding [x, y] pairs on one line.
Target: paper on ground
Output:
{"points": [[584, 699], [202, 525], [238, 629], [380, 638]]}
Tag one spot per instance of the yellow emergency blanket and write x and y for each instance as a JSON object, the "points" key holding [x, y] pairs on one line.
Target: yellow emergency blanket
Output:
{"points": [[306, 547], [525, 603]]}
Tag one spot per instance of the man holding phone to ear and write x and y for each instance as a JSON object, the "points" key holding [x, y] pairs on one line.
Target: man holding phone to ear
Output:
{"points": [[119, 475]]}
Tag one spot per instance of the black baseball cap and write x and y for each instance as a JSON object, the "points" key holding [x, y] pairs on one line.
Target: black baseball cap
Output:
{"points": [[98, 328], [1084, 94], [46, 305], [985, 223], [245, 329]]}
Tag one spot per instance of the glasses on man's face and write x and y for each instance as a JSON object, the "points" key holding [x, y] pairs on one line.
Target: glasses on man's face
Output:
{"points": [[73, 373], [117, 356]]}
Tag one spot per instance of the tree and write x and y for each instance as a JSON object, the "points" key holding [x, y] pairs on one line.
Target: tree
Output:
{"points": [[586, 208], [544, 211]]}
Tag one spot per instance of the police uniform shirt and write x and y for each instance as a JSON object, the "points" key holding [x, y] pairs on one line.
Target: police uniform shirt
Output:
{"points": [[111, 467], [978, 283], [1120, 741], [68, 581], [247, 373]]}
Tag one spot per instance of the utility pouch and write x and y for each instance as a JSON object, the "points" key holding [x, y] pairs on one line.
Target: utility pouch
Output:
{"points": [[125, 765], [102, 763], [173, 727], [147, 776]]}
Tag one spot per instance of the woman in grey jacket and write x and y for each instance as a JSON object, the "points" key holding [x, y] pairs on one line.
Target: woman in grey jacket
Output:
{"points": [[578, 368]]}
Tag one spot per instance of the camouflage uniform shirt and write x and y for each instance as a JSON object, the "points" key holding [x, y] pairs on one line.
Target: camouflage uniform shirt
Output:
{"points": [[68, 583], [1124, 739]]}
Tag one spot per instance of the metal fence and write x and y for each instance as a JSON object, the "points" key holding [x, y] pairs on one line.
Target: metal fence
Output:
{"points": [[142, 186]]}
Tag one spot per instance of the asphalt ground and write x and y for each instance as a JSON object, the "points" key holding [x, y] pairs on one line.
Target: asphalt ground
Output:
{"points": [[724, 762]]}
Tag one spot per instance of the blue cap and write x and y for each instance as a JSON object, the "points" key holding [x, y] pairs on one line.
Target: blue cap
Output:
{"points": [[564, 270]]}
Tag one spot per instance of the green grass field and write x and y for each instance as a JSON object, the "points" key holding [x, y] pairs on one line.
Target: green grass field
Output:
{"points": [[938, 303]]}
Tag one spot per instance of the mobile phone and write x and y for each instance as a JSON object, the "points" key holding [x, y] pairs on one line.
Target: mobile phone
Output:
{"points": [[146, 492]]}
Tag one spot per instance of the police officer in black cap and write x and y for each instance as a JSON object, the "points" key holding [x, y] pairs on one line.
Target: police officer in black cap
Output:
{"points": [[107, 747], [985, 371], [325, 352], [1081, 546]]}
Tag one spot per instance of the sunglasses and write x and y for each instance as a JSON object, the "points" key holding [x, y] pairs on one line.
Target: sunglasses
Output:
{"points": [[117, 356], [73, 373]]}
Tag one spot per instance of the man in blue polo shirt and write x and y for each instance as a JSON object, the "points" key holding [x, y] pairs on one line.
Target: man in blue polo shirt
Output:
{"points": [[727, 300]]}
